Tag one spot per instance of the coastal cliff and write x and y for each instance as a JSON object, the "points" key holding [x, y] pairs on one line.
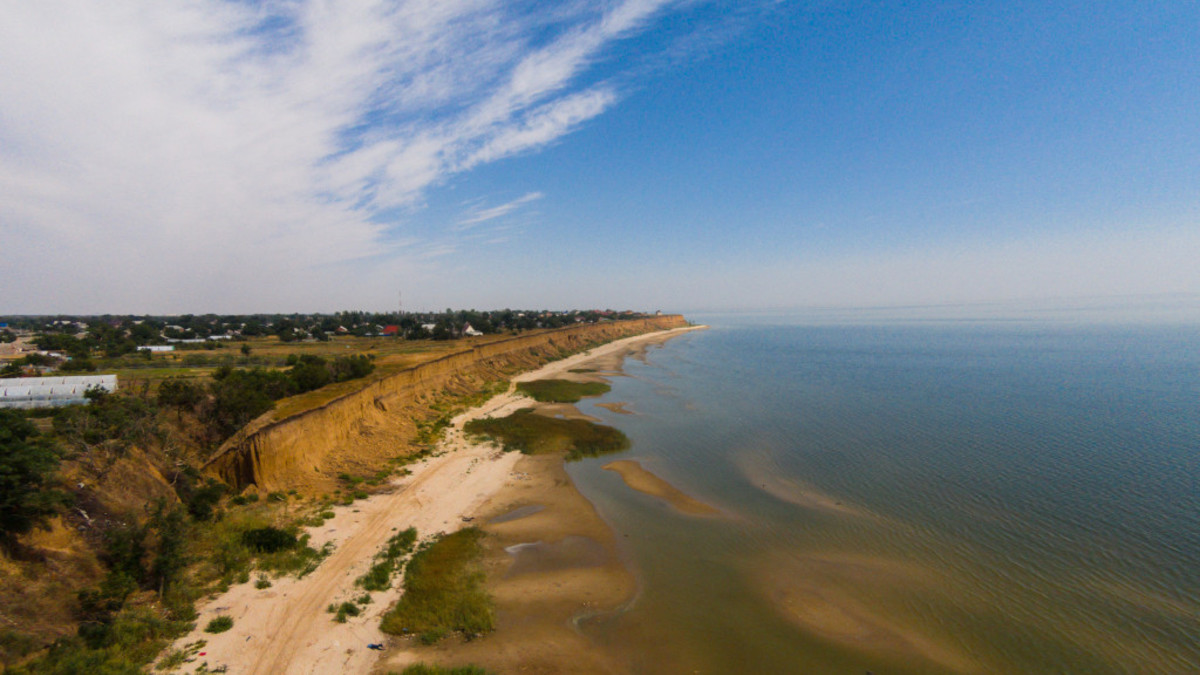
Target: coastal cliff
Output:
{"points": [[358, 431]]}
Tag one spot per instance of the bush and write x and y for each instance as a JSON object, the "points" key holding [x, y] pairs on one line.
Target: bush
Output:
{"points": [[346, 609], [268, 539], [219, 625]]}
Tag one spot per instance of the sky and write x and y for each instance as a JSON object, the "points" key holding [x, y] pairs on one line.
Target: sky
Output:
{"points": [[231, 156]]}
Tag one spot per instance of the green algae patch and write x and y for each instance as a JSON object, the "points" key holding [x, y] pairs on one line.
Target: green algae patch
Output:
{"points": [[534, 434], [561, 391], [444, 591]]}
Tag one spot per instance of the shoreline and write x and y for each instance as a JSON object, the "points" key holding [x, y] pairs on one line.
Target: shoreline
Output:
{"points": [[551, 560], [285, 628]]}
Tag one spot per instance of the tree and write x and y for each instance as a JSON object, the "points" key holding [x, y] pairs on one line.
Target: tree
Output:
{"points": [[27, 465]]}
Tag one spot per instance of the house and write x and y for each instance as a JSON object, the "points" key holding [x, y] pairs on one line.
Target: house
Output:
{"points": [[391, 330], [156, 348], [469, 331]]}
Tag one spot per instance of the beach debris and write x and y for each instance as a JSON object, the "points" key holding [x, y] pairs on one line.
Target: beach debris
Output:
{"points": [[376, 646], [467, 519]]}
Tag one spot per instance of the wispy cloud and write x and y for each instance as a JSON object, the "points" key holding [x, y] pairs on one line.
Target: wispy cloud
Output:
{"points": [[479, 215], [184, 152]]}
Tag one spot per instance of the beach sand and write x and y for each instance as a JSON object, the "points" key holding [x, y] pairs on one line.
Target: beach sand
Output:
{"points": [[285, 628]]}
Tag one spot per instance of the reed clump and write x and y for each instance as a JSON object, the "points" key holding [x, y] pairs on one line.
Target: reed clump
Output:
{"points": [[561, 391], [534, 434]]}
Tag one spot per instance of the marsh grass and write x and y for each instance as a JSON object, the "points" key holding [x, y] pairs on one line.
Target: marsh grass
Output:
{"points": [[444, 591], [561, 391], [534, 434]]}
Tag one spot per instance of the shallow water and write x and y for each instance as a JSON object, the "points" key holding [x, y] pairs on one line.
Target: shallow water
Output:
{"points": [[938, 497], [569, 553], [517, 514]]}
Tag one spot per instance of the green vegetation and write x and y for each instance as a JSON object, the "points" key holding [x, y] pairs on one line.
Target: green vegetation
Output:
{"points": [[387, 561], [443, 591], [235, 396], [110, 425], [268, 539], [561, 391], [534, 434], [135, 637], [27, 465], [346, 609], [219, 625], [422, 669]]}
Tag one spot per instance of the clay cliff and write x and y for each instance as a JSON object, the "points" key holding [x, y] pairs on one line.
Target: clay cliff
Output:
{"points": [[358, 432]]}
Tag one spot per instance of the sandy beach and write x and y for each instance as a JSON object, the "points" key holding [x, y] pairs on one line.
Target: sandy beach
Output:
{"points": [[285, 628]]}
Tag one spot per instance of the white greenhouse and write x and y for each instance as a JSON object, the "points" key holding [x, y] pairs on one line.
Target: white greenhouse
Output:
{"points": [[51, 392]]}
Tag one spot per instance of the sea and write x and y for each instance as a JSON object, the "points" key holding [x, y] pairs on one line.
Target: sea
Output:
{"points": [[896, 496]]}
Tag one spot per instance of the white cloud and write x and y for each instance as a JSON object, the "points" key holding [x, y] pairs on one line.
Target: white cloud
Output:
{"points": [[217, 155], [478, 215]]}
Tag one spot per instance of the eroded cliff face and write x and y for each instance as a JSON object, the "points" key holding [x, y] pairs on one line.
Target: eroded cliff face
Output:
{"points": [[357, 432]]}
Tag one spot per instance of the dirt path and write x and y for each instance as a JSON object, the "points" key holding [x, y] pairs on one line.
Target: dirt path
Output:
{"points": [[286, 629]]}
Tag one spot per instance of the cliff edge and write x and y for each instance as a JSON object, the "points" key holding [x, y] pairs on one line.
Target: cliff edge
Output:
{"points": [[357, 432]]}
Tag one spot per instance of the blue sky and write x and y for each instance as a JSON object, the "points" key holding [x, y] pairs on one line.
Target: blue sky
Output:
{"points": [[690, 156]]}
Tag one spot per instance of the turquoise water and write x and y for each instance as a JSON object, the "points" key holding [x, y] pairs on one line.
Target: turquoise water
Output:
{"points": [[928, 497]]}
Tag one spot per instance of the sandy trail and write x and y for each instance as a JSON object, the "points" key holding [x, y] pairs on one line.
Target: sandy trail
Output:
{"points": [[286, 629]]}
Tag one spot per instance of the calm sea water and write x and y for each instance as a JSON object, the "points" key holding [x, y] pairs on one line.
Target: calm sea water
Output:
{"points": [[911, 498]]}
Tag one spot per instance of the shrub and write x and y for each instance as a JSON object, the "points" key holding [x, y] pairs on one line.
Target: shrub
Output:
{"points": [[219, 625], [268, 539], [346, 609]]}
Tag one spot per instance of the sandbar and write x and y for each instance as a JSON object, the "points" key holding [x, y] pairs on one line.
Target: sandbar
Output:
{"points": [[638, 478]]}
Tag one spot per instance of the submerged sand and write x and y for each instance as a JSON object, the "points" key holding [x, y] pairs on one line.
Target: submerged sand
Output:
{"points": [[645, 482]]}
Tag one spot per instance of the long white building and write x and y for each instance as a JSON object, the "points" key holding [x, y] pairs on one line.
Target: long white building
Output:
{"points": [[50, 392]]}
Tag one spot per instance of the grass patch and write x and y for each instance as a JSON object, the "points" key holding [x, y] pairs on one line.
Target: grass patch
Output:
{"points": [[379, 577], [535, 434], [219, 625], [561, 391], [443, 590]]}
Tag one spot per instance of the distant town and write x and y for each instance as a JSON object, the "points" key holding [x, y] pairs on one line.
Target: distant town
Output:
{"points": [[32, 346]]}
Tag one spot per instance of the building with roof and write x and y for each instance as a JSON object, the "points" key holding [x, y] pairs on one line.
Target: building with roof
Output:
{"points": [[51, 392]]}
